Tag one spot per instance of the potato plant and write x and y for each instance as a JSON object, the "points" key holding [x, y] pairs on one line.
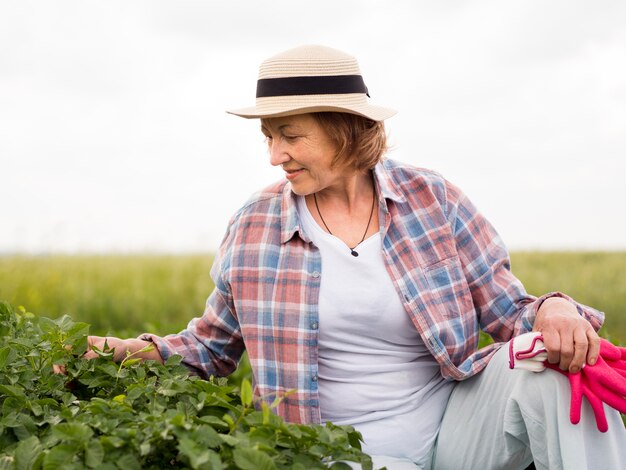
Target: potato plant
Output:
{"points": [[137, 414]]}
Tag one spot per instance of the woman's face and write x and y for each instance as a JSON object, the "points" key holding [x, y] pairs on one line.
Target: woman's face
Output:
{"points": [[305, 152]]}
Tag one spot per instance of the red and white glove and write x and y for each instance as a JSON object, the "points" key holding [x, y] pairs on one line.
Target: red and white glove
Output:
{"points": [[603, 382], [528, 352]]}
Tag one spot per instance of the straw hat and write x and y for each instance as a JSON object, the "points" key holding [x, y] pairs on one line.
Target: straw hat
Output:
{"points": [[311, 79]]}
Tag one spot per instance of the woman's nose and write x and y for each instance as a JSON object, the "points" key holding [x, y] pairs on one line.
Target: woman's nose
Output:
{"points": [[278, 155]]}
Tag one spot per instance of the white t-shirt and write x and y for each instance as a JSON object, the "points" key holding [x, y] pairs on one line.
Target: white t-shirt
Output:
{"points": [[375, 372]]}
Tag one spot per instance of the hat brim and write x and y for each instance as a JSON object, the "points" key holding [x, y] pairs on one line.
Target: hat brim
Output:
{"points": [[289, 106]]}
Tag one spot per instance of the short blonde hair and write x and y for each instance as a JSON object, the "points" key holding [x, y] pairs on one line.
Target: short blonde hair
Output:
{"points": [[361, 142]]}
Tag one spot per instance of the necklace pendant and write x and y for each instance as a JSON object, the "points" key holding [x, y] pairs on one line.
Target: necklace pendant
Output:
{"points": [[369, 221]]}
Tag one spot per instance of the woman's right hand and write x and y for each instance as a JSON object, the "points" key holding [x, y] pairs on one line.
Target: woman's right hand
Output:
{"points": [[122, 348], [138, 348]]}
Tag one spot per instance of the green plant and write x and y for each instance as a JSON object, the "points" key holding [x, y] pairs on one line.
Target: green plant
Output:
{"points": [[139, 414]]}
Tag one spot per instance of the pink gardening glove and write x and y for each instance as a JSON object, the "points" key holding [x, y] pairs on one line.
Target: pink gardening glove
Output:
{"points": [[604, 382]]}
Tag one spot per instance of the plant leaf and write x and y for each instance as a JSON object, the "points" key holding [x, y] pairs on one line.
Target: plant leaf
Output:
{"points": [[27, 453], [198, 455], [266, 413], [340, 466], [12, 391], [246, 392], [252, 459], [94, 454], [59, 457], [7, 356], [74, 432]]}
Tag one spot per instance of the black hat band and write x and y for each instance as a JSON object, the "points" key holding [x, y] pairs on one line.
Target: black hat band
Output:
{"points": [[318, 85]]}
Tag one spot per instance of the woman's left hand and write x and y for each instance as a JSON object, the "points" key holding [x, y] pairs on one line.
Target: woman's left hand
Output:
{"points": [[570, 340]]}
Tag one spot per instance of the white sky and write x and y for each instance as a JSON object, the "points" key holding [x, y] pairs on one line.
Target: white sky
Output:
{"points": [[113, 135]]}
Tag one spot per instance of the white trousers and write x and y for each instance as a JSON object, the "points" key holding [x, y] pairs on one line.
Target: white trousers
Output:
{"points": [[505, 419]]}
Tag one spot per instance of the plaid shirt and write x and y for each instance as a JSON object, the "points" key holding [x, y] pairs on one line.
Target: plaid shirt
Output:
{"points": [[450, 269]]}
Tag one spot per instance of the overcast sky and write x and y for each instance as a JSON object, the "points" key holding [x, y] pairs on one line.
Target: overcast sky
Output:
{"points": [[114, 136]]}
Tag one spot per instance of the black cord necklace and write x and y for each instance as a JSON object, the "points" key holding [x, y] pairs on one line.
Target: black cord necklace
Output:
{"points": [[353, 252]]}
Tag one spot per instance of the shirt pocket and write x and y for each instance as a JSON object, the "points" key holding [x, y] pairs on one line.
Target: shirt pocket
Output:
{"points": [[449, 291]]}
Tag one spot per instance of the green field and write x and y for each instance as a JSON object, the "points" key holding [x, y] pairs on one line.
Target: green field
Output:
{"points": [[127, 295]]}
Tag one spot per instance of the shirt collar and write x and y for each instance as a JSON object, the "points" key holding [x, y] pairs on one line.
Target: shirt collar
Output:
{"points": [[289, 221], [387, 187]]}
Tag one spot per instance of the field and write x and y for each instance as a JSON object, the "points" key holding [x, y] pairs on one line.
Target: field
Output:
{"points": [[127, 295], [123, 295]]}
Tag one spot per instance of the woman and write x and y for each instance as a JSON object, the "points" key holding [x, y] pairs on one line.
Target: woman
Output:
{"points": [[362, 283]]}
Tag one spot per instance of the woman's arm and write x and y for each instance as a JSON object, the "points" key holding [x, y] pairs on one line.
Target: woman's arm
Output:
{"points": [[504, 307]]}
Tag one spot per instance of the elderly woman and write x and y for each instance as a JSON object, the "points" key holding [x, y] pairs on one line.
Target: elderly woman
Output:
{"points": [[362, 283]]}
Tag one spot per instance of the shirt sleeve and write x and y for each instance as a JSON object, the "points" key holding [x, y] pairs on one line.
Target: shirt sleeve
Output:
{"points": [[503, 306], [211, 344]]}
